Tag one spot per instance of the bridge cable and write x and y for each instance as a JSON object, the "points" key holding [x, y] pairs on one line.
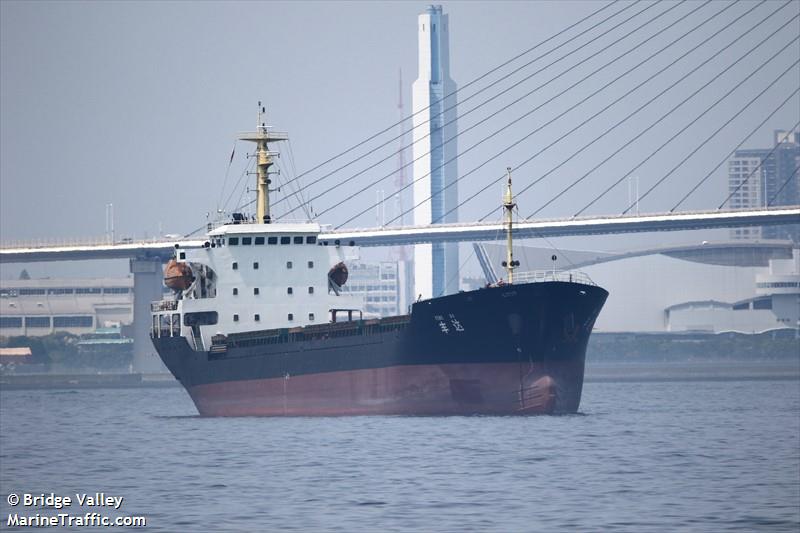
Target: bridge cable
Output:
{"points": [[665, 115], [283, 168], [490, 184], [454, 106], [682, 130], [785, 183], [730, 154], [466, 99], [750, 175], [456, 273], [490, 99], [747, 105], [527, 114], [309, 210], [548, 241], [290, 185], [482, 76]]}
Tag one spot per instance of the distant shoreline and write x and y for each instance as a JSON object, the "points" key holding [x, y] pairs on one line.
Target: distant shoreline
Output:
{"points": [[692, 370]]}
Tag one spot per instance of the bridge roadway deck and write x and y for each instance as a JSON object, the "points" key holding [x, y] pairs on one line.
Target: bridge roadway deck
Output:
{"points": [[436, 233]]}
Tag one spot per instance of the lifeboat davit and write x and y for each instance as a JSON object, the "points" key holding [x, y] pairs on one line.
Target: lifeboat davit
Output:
{"points": [[178, 276]]}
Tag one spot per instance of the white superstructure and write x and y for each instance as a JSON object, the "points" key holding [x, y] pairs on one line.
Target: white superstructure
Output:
{"points": [[252, 275], [435, 191]]}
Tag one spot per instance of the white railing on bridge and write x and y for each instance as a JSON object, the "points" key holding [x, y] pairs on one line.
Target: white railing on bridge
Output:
{"points": [[76, 241]]}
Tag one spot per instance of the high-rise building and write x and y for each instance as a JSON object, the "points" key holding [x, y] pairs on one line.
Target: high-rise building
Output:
{"points": [[766, 177], [435, 171]]}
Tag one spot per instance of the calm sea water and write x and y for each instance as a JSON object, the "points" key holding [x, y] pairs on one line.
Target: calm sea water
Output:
{"points": [[688, 456]]}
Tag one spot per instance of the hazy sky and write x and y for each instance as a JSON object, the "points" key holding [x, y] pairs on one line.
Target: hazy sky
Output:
{"points": [[139, 103]]}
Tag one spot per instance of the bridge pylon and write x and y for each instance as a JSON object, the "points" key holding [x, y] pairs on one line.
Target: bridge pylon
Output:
{"points": [[148, 275]]}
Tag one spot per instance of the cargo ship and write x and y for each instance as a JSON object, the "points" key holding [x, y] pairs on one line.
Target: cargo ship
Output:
{"points": [[259, 325]]}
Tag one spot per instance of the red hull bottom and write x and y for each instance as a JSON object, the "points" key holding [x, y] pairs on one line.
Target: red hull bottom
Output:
{"points": [[423, 390]]}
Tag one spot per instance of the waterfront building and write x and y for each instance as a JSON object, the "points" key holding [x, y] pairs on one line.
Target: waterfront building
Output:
{"points": [[776, 305], [435, 171], [37, 307]]}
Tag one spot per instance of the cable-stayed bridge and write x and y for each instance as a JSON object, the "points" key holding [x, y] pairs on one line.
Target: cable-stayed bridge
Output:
{"points": [[627, 71], [476, 231]]}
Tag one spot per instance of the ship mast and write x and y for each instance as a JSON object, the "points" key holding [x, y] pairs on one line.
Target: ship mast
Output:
{"points": [[264, 159], [509, 205]]}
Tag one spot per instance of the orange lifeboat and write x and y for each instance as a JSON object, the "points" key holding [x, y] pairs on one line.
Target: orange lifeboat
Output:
{"points": [[338, 274], [178, 276]]}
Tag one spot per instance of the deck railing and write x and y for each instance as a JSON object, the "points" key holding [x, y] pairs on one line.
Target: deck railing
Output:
{"points": [[538, 276]]}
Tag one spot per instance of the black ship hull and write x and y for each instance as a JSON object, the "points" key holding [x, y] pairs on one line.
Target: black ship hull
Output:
{"points": [[516, 349]]}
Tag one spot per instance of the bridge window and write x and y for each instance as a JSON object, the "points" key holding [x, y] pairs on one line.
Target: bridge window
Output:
{"points": [[60, 291], [298, 240], [311, 239], [31, 292], [72, 321], [742, 306], [286, 240], [764, 303], [37, 321], [778, 285], [10, 321], [200, 318], [116, 290], [233, 241], [272, 240], [176, 325], [163, 325], [259, 240], [246, 241]]}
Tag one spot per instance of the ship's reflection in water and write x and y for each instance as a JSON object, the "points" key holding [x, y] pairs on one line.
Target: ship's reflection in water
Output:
{"points": [[641, 455]]}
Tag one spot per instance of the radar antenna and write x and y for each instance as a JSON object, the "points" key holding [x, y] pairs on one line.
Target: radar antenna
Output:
{"points": [[264, 159]]}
